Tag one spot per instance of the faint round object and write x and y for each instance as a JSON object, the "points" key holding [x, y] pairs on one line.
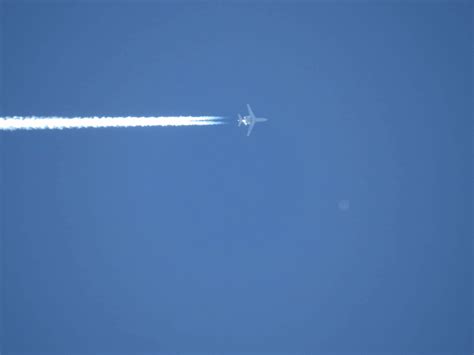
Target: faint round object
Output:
{"points": [[344, 205]]}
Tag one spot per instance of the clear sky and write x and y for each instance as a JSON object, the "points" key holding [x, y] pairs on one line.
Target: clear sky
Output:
{"points": [[343, 224]]}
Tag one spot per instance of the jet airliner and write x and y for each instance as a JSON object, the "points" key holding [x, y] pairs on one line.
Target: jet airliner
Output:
{"points": [[250, 120]]}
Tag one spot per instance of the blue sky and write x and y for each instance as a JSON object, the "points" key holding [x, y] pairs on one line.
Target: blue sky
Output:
{"points": [[199, 239]]}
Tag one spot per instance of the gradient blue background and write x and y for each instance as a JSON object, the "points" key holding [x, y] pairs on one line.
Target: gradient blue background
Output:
{"points": [[201, 239]]}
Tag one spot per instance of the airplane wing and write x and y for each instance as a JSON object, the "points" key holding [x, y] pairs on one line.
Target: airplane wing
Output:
{"points": [[250, 127], [251, 112]]}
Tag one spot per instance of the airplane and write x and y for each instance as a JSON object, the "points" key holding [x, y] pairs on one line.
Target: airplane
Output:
{"points": [[250, 120]]}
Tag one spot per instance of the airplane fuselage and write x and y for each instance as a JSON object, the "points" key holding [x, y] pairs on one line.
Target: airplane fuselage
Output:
{"points": [[247, 120], [250, 120]]}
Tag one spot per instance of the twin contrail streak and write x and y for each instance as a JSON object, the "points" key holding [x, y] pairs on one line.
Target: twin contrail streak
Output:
{"points": [[13, 123]]}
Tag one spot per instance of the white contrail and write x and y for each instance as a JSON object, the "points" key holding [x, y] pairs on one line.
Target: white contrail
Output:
{"points": [[12, 123]]}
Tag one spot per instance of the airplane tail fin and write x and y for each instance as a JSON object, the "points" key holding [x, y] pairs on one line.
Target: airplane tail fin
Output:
{"points": [[240, 120]]}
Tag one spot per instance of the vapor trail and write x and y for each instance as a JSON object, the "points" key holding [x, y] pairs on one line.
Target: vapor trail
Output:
{"points": [[32, 122]]}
